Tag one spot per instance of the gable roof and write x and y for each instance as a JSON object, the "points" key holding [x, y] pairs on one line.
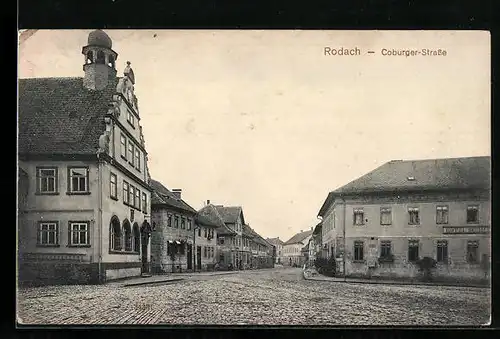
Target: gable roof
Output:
{"points": [[433, 174], [209, 214], [230, 214], [60, 116], [299, 237], [275, 241], [163, 196]]}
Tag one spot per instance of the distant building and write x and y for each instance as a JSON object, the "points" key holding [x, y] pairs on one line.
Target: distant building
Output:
{"points": [[387, 219], [278, 243], [314, 245], [84, 181], [207, 227], [238, 245], [172, 239], [292, 249]]}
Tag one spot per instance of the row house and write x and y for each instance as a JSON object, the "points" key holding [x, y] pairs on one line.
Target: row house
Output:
{"points": [[315, 245], [262, 251], [84, 206], [174, 221], [383, 222], [207, 252], [278, 244], [237, 244], [292, 248]]}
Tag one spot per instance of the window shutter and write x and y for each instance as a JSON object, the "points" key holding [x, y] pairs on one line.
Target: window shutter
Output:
{"points": [[38, 230], [69, 233], [38, 180], [68, 180]]}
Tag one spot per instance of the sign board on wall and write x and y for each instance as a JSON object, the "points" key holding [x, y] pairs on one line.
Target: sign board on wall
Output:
{"points": [[466, 230]]}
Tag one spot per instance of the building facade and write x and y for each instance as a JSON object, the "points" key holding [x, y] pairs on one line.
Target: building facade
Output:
{"points": [[292, 249], [406, 210], [174, 222], [84, 215], [278, 243]]}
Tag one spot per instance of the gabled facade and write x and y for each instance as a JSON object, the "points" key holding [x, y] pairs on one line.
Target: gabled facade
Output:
{"points": [[278, 244], [174, 223], [405, 210], [207, 226], [85, 216], [292, 249]]}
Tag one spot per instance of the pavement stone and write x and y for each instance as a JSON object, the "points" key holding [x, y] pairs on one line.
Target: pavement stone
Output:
{"points": [[270, 297]]}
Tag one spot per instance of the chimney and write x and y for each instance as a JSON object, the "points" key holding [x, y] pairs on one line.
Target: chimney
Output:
{"points": [[311, 228], [301, 231], [208, 202], [177, 192]]}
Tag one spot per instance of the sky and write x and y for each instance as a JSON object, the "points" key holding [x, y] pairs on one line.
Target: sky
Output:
{"points": [[265, 120]]}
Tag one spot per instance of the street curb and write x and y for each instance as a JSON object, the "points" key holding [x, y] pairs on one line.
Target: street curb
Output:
{"points": [[372, 282], [152, 282]]}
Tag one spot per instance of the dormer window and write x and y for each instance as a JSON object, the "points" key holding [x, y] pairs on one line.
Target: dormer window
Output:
{"points": [[101, 59]]}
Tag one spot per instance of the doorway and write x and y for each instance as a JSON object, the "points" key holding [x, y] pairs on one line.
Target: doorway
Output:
{"points": [[189, 256], [198, 257], [145, 266]]}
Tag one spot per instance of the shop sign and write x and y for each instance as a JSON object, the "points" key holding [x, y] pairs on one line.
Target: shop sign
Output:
{"points": [[466, 230]]}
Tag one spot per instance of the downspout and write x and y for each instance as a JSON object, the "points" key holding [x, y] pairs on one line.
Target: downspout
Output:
{"points": [[99, 185], [343, 235]]}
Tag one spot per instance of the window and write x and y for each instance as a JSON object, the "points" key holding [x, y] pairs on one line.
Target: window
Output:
{"points": [[358, 216], [385, 249], [169, 220], [125, 191], [123, 146], [189, 224], [358, 250], [412, 250], [131, 153], [385, 216], [472, 214], [183, 223], [79, 234], [441, 214], [116, 235], [137, 198], [221, 240], [442, 251], [130, 118], [78, 180], [413, 215], [204, 252], [128, 235], [47, 180], [112, 186], [131, 195], [90, 57], [101, 59], [137, 159], [199, 231], [176, 221], [111, 62], [144, 203], [204, 232], [48, 233], [472, 249]]}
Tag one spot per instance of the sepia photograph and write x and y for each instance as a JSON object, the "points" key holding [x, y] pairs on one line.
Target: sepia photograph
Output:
{"points": [[253, 177]]}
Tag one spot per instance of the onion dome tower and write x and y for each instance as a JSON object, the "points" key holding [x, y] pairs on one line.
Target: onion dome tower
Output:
{"points": [[100, 61]]}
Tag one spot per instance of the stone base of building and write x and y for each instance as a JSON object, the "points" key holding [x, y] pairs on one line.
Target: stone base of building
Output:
{"points": [[62, 273], [463, 273]]}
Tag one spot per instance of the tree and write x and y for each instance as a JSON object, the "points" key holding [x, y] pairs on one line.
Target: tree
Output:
{"points": [[425, 265]]}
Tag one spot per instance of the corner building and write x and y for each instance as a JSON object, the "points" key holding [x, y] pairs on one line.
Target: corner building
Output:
{"points": [[403, 211], [84, 205]]}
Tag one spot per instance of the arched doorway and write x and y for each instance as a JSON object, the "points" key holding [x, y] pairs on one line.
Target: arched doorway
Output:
{"points": [[146, 230], [136, 239]]}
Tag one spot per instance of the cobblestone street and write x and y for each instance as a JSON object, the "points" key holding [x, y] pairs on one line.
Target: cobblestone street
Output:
{"points": [[275, 297]]}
